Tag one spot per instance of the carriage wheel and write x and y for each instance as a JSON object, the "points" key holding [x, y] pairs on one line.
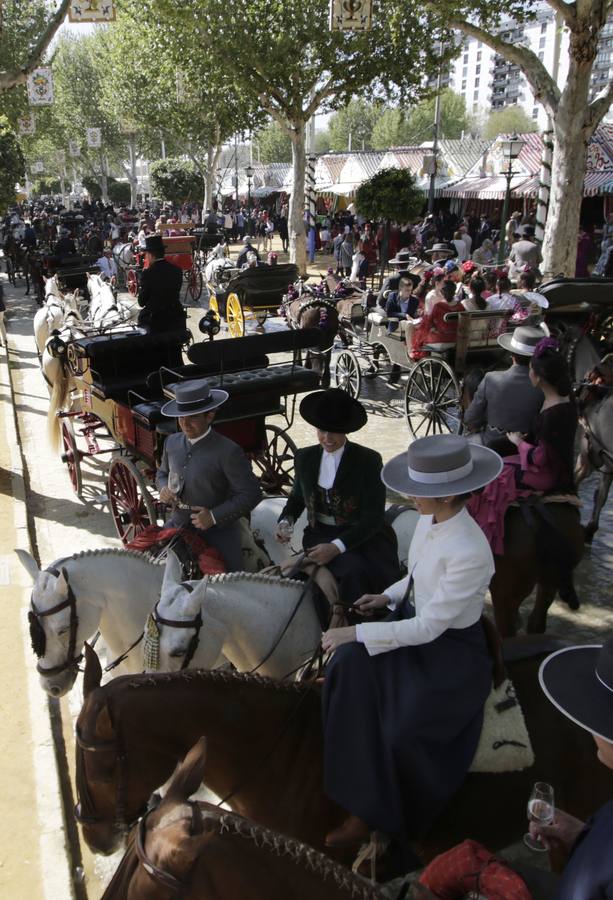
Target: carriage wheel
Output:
{"points": [[214, 307], [347, 374], [132, 282], [261, 316], [432, 399], [274, 464], [71, 455], [235, 316], [195, 283], [132, 506]]}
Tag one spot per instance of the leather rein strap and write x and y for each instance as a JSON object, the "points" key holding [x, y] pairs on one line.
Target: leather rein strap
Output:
{"points": [[195, 623], [164, 878], [71, 660]]}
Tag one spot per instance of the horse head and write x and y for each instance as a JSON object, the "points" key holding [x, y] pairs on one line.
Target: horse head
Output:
{"points": [[179, 630], [59, 624]]}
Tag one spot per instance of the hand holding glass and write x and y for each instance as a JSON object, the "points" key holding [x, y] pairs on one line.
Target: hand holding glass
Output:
{"points": [[541, 809]]}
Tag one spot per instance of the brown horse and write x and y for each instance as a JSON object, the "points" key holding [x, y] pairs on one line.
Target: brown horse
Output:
{"points": [[314, 311], [265, 757], [200, 852]]}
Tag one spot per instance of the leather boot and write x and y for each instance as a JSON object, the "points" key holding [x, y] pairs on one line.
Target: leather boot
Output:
{"points": [[352, 831]]}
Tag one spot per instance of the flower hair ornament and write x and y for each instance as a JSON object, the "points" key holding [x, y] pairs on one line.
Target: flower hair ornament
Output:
{"points": [[427, 275], [545, 346]]}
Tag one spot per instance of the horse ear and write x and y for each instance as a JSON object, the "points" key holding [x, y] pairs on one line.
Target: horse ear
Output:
{"points": [[93, 671], [172, 572], [29, 563], [189, 774]]}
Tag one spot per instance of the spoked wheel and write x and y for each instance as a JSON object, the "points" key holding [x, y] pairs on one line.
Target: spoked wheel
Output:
{"points": [[132, 282], [71, 456], [235, 316], [195, 283], [214, 307], [432, 399], [275, 463], [132, 506], [347, 374]]}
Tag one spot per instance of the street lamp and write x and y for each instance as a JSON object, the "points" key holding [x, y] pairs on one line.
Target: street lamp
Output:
{"points": [[249, 173], [511, 148]]}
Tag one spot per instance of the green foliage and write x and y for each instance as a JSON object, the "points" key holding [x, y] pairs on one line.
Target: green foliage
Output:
{"points": [[12, 164], [353, 126], [175, 179], [45, 186], [119, 192], [390, 130], [92, 187], [322, 141], [506, 121], [396, 128], [390, 194], [274, 144]]}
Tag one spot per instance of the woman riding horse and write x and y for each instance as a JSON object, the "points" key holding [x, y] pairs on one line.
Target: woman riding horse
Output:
{"points": [[340, 485], [401, 728]]}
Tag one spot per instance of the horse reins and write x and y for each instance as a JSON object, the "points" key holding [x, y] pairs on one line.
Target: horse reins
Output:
{"points": [[195, 623], [38, 642], [170, 882]]}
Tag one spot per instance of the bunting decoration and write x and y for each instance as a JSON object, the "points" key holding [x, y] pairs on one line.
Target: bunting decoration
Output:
{"points": [[88, 11], [350, 15], [26, 124], [94, 137], [40, 87], [38, 167], [73, 149]]}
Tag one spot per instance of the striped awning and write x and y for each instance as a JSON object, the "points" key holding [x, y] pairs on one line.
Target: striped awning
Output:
{"points": [[491, 187], [598, 183]]}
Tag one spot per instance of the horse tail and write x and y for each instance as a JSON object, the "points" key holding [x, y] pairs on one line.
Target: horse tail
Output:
{"points": [[560, 553], [57, 401]]}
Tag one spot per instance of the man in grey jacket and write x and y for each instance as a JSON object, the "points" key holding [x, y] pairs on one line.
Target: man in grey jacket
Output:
{"points": [[506, 401], [206, 476]]}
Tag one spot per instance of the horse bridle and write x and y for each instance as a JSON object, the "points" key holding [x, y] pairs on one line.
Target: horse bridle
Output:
{"points": [[170, 882], [38, 642], [195, 623], [89, 817]]}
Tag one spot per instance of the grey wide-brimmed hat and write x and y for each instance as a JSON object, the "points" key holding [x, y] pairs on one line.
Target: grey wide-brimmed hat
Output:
{"points": [[579, 682], [522, 341], [441, 248], [401, 258], [442, 465], [193, 397]]}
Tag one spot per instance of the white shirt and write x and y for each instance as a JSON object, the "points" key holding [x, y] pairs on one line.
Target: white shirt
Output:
{"points": [[107, 266], [452, 566], [501, 301], [461, 248], [328, 467]]}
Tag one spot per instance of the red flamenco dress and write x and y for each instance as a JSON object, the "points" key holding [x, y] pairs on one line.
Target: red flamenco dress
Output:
{"points": [[434, 330], [542, 465]]}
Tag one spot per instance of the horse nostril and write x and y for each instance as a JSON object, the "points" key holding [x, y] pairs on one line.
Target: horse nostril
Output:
{"points": [[55, 691]]}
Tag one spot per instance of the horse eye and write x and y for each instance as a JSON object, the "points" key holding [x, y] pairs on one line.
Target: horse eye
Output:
{"points": [[62, 631], [176, 654]]}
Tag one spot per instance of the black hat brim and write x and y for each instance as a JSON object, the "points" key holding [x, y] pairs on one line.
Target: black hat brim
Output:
{"points": [[568, 679], [342, 417]]}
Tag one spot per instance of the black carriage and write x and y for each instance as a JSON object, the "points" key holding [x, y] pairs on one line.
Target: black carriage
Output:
{"points": [[207, 239], [253, 293], [585, 304], [125, 377], [432, 394]]}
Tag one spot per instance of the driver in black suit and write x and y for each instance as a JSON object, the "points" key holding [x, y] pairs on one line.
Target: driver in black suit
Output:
{"points": [[160, 291]]}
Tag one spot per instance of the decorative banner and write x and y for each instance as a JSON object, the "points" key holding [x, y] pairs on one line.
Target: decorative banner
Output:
{"points": [[350, 15], [27, 124], [40, 87], [61, 157], [92, 11], [73, 149], [94, 137], [37, 167], [180, 86], [127, 126]]}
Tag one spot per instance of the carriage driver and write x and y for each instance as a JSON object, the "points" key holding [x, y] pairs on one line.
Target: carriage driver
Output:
{"points": [[340, 485], [206, 475], [160, 291]]}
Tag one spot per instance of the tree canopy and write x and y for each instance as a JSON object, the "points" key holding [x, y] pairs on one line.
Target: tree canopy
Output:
{"points": [[26, 31], [12, 165], [352, 126], [390, 194], [506, 121], [396, 127], [273, 144], [176, 180]]}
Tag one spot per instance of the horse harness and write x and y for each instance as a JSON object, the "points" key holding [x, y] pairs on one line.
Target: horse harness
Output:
{"points": [[195, 623], [165, 879], [37, 632]]}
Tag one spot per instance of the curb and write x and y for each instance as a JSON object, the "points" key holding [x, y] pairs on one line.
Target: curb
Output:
{"points": [[56, 880]]}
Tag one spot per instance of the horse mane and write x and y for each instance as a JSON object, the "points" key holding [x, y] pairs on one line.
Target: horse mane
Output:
{"points": [[105, 551], [220, 675], [303, 854], [253, 577]]}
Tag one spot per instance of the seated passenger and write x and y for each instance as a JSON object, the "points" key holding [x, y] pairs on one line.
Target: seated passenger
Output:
{"points": [[65, 246], [205, 477], [160, 291], [545, 458], [433, 329], [503, 298], [401, 304], [528, 302], [339, 484]]}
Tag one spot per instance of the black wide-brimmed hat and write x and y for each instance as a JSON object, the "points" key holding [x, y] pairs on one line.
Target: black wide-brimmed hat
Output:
{"points": [[442, 465], [333, 410], [154, 244], [579, 682], [193, 397], [522, 341]]}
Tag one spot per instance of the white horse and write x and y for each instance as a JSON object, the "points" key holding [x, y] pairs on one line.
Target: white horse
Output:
{"points": [[216, 265], [238, 617], [105, 311], [55, 311], [113, 590]]}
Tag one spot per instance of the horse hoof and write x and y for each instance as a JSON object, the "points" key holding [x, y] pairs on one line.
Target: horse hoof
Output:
{"points": [[588, 533], [571, 599]]}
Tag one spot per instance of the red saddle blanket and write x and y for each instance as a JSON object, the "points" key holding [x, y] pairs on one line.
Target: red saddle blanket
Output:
{"points": [[210, 560], [470, 867]]}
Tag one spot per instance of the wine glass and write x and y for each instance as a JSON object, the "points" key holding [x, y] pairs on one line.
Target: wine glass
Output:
{"points": [[541, 809], [174, 485]]}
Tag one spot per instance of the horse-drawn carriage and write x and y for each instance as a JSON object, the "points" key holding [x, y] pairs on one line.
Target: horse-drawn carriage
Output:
{"points": [[121, 380], [178, 250], [432, 397], [253, 293], [207, 239]]}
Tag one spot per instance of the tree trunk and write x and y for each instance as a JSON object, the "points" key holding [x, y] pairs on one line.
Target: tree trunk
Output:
{"points": [[297, 231], [133, 180]]}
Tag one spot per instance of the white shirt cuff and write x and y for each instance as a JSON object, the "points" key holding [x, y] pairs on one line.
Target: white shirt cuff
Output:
{"points": [[213, 517], [338, 543]]}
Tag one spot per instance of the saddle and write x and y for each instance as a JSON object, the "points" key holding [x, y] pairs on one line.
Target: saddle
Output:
{"points": [[334, 615]]}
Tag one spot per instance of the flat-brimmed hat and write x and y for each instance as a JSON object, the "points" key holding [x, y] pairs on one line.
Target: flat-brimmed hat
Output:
{"points": [[442, 465], [401, 258], [579, 682], [522, 341], [193, 397], [440, 248], [404, 273], [154, 244], [333, 410]]}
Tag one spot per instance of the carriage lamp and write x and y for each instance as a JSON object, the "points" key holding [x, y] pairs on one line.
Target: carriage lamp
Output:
{"points": [[209, 325], [511, 148], [56, 347]]}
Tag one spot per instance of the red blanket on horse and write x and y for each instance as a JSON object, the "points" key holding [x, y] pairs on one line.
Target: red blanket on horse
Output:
{"points": [[210, 561]]}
